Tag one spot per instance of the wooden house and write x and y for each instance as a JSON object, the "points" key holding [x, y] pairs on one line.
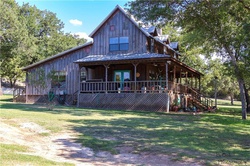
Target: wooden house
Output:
{"points": [[125, 67]]}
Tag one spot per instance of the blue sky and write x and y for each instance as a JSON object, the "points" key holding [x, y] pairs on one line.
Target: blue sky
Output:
{"points": [[79, 16]]}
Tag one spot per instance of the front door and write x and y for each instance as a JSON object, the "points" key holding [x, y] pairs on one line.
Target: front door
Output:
{"points": [[121, 76]]}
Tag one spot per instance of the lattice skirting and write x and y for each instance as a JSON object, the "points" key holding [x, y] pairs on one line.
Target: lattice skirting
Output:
{"points": [[124, 101]]}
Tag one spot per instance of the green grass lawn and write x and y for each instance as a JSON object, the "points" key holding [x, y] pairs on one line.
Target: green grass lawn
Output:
{"points": [[13, 155], [214, 138]]}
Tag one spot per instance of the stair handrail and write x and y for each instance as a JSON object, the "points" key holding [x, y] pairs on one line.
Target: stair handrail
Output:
{"points": [[196, 95], [18, 92]]}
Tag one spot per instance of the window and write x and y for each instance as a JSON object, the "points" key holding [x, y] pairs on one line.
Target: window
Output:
{"points": [[58, 79], [83, 75], [118, 44]]}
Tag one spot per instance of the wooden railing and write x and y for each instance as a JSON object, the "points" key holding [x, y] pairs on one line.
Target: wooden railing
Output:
{"points": [[17, 93], [206, 101], [197, 96], [156, 86]]}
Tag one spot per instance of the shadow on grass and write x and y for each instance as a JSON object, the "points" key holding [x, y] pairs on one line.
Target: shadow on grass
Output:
{"points": [[192, 136], [74, 111], [42, 108], [211, 137]]}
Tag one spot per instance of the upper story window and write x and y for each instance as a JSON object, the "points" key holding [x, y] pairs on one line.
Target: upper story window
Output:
{"points": [[118, 43]]}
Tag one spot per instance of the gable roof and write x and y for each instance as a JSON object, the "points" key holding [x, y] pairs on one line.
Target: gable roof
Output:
{"points": [[109, 16], [151, 30], [146, 31], [174, 45], [163, 38], [57, 55]]}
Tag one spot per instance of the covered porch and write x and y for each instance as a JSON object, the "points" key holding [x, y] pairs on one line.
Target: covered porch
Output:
{"points": [[159, 77]]}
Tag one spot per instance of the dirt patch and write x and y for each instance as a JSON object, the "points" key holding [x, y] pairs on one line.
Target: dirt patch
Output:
{"points": [[62, 148]]}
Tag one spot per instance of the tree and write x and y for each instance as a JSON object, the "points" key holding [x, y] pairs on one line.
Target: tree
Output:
{"points": [[216, 26], [40, 80], [13, 41], [28, 35]]}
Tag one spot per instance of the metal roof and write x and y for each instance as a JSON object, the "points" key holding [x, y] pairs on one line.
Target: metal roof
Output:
{"points": [[174, 45], [124, 58], [120, 57], [57, 55], [149, 29], [162, 38]]}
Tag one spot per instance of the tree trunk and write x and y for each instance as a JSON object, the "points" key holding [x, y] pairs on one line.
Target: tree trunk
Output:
{"points": [[232, 99], [1, 92], [243, 98], [240, 81], [247, 98], [11, 83]]}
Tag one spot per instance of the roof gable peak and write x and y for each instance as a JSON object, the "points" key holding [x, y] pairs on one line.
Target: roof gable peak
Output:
{"points": [[130, 17]]}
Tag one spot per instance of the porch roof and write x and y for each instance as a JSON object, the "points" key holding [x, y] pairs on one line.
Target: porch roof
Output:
{"points": [[92, 60], [97, 59]]}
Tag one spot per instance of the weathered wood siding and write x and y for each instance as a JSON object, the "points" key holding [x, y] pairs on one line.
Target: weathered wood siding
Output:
{"points": [[63, 63], [123, 27]]}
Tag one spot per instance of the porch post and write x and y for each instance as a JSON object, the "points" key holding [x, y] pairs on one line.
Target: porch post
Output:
{"points": [[167, 76], [135, 71], [186, 82], [80, 85], [186, 78], [180, 75], [174, 78], [199, 83], [192, 81], [106, 77], [167, 89]]}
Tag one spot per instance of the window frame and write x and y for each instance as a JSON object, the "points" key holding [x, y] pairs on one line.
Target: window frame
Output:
{"points": [[57, 81], [119, 43]]}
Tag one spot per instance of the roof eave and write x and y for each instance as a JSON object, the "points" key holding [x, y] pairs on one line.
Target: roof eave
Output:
{"points": [[57, 55], [186, 66]]}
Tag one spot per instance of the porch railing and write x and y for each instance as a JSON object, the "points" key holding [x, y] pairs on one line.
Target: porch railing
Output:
{"points": [[157, 86]]}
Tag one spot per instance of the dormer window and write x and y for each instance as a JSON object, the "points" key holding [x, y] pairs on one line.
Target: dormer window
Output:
{"points": [[118, 44]]}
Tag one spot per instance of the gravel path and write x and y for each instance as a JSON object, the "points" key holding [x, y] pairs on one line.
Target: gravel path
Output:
{"points": [[61, 148]]}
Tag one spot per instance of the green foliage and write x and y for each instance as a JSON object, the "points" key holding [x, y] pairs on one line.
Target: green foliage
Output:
{"points": [[29, 35], [41, 82]]}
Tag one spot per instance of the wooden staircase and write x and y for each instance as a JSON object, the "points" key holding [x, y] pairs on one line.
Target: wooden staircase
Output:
{"points": [[19, 95], [199, 100]]}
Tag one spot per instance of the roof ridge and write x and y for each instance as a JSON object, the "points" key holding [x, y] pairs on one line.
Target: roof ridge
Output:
{"points": [[128, 15]]}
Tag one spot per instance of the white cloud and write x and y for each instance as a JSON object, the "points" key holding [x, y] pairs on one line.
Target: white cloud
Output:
{"points": [[83, 35], [75, 22]]}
